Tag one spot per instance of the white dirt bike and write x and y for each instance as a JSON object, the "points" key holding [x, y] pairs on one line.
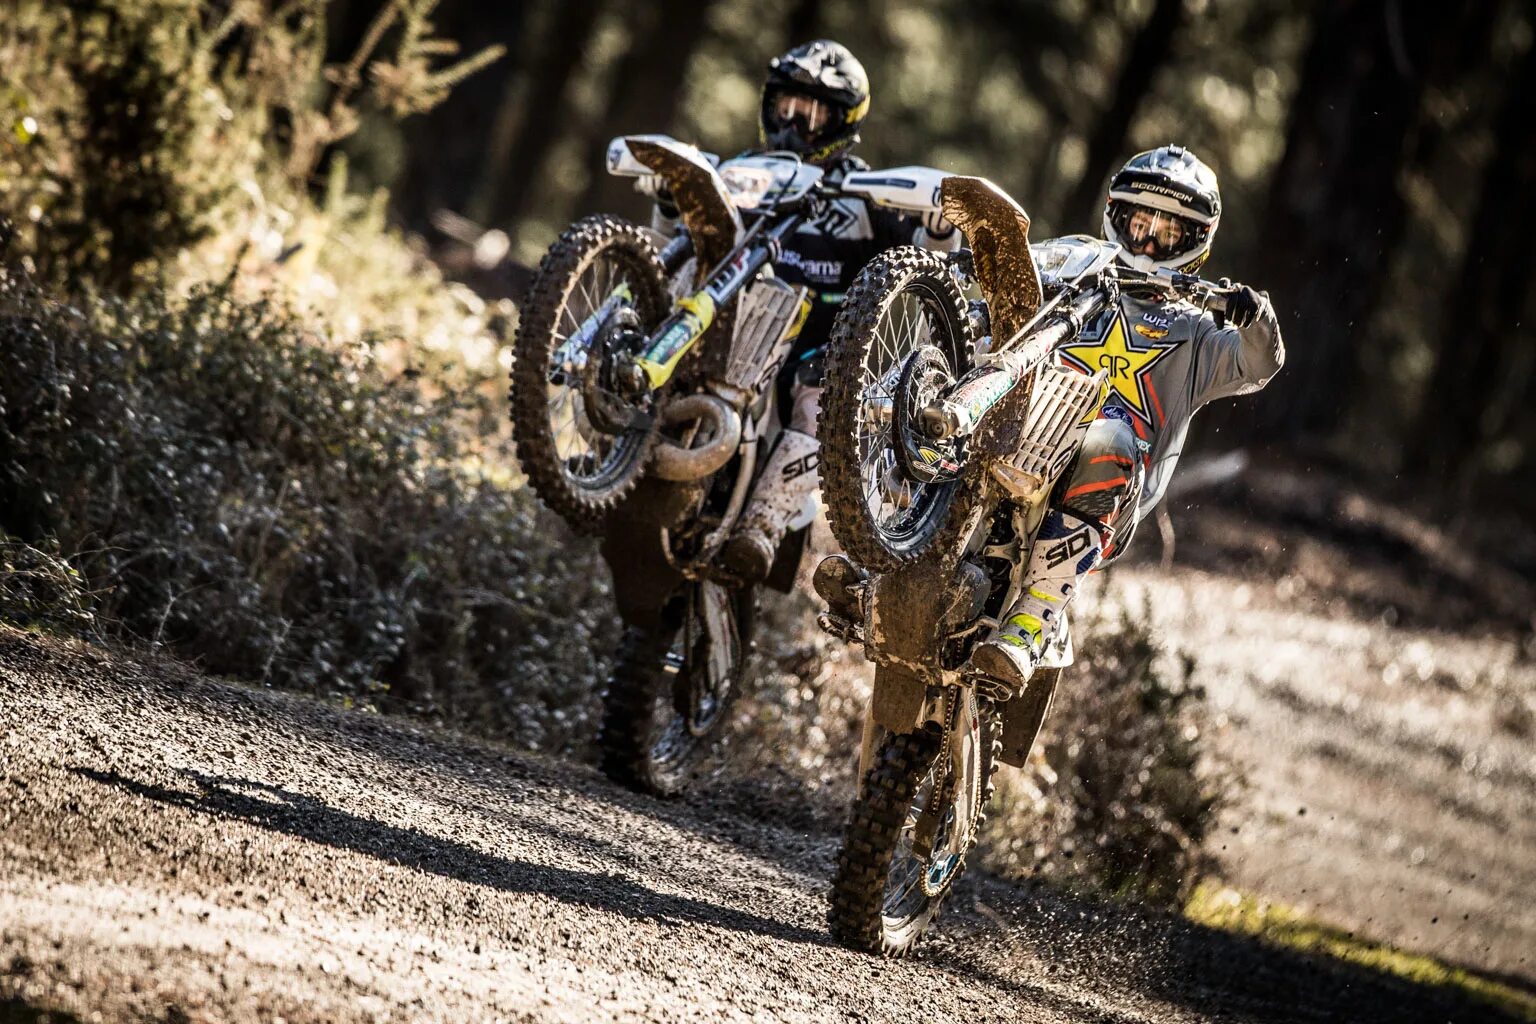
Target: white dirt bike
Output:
{"points": [[643, 387], [945, 426]]}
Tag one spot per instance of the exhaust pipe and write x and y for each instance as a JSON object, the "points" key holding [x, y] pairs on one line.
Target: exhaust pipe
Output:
{"points": [[713, 443]]}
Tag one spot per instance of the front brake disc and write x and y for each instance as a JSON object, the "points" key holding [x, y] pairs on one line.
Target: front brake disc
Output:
{"points": [[924, 376], [616, 337]]}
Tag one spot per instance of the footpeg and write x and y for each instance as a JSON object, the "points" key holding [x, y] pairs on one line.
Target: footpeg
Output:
{"points": [[847, 632]]}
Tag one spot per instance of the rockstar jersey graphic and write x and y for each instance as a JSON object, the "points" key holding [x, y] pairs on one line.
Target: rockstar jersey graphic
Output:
{"points": [[1124, 364]]}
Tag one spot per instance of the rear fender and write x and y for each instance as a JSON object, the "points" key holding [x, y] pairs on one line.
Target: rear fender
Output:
{"points": [[701, 197], [644, 577], [898, 699], [997, 230], [1023, 716]]}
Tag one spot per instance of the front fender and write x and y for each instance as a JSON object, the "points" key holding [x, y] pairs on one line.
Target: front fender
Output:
{"points": [[701, 197], [997, 230]]}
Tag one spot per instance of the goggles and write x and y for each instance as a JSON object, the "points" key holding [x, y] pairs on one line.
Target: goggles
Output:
{"points": [[808, 113], [1155, 233]]}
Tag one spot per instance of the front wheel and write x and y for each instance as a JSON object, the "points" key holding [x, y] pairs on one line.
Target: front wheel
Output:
{"points": [[672, 689], [905, 307], [582, 442]]}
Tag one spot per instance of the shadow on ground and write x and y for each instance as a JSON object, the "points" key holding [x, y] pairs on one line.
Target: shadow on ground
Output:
{"points": [[1103, 946], [272, 807], [1211, 972]]}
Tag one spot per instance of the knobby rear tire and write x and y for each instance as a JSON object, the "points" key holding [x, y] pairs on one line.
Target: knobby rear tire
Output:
{"points": [[856, 914], [639, 689]]}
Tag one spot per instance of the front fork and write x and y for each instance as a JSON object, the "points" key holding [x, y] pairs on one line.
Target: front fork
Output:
{"points": [[651, 368]]}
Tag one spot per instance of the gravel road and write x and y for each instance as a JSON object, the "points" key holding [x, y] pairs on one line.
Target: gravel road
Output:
{"points": [[178, 849]]}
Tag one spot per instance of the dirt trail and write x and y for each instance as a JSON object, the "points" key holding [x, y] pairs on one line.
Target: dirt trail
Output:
{"points": [[1379, 691], [178, 849]]}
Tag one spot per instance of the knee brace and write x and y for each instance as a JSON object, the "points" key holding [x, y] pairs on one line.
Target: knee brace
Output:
{"points": [[1105, 481]]}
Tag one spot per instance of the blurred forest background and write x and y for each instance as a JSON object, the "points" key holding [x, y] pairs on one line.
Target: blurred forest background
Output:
{"points": [[1376, 157], [262, 257], [260, 260]]}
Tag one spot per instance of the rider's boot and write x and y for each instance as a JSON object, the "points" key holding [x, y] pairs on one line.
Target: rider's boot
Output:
{"points": [[1066, 548], [787, 482], [841, 584]]}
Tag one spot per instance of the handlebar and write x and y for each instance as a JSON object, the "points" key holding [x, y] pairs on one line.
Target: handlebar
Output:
{"points": [[1206, 294]]}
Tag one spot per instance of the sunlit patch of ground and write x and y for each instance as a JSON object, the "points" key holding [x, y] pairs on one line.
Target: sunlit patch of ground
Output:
{"points": [[1218, 906]]}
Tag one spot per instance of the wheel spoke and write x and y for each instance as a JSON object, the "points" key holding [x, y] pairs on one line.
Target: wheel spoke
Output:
{"points": [[586, 452]]}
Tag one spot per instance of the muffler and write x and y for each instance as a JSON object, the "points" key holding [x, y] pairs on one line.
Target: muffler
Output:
{"points": [[712, 445]]}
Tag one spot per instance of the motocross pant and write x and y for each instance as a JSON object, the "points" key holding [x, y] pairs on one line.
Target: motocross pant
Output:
{"points": [[1083, 528], [788, 487], [1106, 482]]}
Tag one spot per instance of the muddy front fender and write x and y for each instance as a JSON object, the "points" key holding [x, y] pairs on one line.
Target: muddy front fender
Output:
{"points": [[1023, 716], [701, 197], [997, 230]]}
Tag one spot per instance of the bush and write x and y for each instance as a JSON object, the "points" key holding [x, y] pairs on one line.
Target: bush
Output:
{"points": [[39, 589], [1121, 793], [163, 144], [279, 508]]}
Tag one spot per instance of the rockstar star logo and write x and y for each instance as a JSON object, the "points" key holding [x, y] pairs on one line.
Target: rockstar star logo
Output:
{"points": [[1124, 365]]}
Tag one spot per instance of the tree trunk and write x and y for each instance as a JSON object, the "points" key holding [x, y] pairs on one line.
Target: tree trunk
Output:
{"points": [[647, 86], [1335, 211], [1107, 143], [804, 22], [1465, 405], [515, 155]]}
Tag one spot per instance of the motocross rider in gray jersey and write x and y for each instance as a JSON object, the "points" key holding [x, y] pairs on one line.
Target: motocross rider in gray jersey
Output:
{"points": [[814, 100], [1165, 359]]}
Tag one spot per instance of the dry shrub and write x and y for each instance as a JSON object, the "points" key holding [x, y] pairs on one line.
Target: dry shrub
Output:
{"points": [[280, 509], [1121, 793], [38, 589]]}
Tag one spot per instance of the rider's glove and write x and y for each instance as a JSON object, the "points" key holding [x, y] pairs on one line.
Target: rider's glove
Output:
{"points": [[935, 224], [1243, 303], [655, 186]]}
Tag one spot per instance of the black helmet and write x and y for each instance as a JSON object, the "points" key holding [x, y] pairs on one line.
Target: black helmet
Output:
{"points": [[814, 100], [1163, 209]]}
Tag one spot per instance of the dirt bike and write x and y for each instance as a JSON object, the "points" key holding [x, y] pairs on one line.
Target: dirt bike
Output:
{"points": [[940, 449], [643, 403]]}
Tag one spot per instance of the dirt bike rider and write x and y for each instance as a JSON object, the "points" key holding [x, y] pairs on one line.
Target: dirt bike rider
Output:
{"points": [[1166, 359], [814, 100]]}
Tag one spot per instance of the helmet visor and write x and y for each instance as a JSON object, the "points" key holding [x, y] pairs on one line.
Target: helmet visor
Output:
{"points": [[808, 115], [1155, 233]]}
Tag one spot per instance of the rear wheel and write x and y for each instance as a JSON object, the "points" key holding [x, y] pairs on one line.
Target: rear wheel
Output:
{"points": [[672, 689], [902, 331], [583, 445]]}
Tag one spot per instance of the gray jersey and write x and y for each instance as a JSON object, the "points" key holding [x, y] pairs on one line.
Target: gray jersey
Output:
{"points": [[1167, 359]]}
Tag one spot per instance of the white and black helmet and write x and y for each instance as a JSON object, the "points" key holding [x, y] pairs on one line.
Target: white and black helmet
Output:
{"points": [[1163, 209]]}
